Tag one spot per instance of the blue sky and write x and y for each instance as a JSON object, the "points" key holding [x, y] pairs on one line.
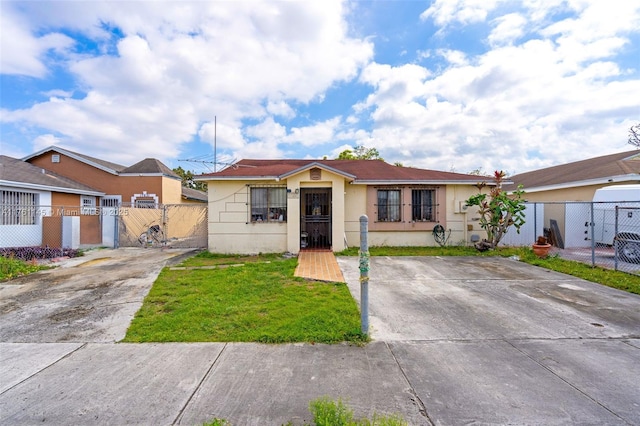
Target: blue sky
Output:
{"points": [[454, 85]]}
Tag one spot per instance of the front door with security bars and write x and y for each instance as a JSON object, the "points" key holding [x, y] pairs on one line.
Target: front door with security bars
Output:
{"points": [[315, 218]]}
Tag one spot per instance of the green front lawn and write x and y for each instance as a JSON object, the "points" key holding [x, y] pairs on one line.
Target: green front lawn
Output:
{"points": [[253, 299]]}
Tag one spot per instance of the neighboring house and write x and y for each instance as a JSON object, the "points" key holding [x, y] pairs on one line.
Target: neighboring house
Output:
{"points": [[42, 208], [560, 195], [190, 195], [579, 180], [147, 183], [289, 205]]}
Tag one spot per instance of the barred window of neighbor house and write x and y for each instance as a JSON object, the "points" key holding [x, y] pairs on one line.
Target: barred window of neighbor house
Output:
{"points": [[18, 208], [268, 203], [423, 205], [389, 205], [145, 203], [88, 205]]}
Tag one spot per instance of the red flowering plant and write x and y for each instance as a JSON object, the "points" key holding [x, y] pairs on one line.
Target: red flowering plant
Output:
{"points": [[498, 211]]}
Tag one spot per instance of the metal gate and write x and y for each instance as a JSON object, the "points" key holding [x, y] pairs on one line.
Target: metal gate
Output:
{"points": [[169, 226], [315, 220]]}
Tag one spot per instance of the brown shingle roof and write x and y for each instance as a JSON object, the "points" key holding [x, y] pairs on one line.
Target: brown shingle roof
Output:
{"points": [[150, 166], [624, 166], [358, 170], [193, 194], [22, 174], [105, 165]]}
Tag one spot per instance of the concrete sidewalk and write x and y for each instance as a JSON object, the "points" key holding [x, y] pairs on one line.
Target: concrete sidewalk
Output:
{"points": [[588, 382], [456, 341]]}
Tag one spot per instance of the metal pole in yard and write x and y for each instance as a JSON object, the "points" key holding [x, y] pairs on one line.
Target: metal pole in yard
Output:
{"points": [[615, 242], [592, 235], [364, 275]]}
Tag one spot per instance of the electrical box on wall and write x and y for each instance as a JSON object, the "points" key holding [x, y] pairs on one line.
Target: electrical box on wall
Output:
{"points": [[460, 206]]}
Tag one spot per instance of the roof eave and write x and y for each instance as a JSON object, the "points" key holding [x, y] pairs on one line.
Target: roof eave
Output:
{"points": [[634, 177], [205, 178], [417, 182], [72, 155], [150, 175], [39, 187]]}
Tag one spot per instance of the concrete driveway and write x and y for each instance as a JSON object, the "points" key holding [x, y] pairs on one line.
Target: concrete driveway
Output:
{"points": [[456, 341], [87, 299], [505, 342]]}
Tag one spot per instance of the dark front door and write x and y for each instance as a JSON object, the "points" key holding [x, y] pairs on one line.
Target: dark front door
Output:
{"points": [[315, 218]]}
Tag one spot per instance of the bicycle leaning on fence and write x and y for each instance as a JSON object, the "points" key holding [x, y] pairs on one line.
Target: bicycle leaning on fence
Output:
{"points": [[152, 237]]}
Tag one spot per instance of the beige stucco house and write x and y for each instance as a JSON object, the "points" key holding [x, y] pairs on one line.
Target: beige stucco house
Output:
{"points": [[291, 205]]}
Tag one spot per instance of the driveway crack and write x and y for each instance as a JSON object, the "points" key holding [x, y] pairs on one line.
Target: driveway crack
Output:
{"points": [[197, 388], [422, 409]]}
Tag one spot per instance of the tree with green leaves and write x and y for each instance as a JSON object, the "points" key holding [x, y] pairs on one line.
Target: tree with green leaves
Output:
{"points": [[360, 152], [187, 179], [498, 211]]}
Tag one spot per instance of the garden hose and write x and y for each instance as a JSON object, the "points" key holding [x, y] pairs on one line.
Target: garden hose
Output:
{"points": [[440, 235]]}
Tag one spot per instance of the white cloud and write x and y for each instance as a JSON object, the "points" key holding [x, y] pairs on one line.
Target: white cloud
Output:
{"points": [[317, 134], [224, 136], [454, 57], [543, 81], [45, 141], [516, 106], [57, 93], [508, 28], [445, 12], [183, 63], [22, 53], [267, 131], [280, 108]]}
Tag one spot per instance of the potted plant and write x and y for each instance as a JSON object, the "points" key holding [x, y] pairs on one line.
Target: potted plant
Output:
{"points": [[541, 247]]}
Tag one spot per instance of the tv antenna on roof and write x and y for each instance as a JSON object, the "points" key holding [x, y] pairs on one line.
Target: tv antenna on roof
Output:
{"points": [[215, 150]]}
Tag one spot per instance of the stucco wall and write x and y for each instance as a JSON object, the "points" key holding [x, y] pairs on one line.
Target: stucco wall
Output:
{"points": [[461, 223], [338, 208], [171, 190], [583, 193], [231, 231]]}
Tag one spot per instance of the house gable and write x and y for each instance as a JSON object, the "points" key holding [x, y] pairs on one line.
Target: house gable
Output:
{"points": [[19, 174], [147, 178]]}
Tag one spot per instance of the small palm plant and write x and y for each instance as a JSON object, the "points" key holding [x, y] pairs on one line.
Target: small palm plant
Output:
{"points": [[498, 211]]}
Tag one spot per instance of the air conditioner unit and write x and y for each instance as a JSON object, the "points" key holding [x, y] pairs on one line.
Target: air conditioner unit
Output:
{"points": [[460, 206]]}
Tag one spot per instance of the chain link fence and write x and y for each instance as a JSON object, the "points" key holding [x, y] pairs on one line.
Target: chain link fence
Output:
{"points": [[54, 229], [595, 233]]}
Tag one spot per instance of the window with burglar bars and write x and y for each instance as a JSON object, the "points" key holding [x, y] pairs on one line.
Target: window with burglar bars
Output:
{"points": [[268, 203], [423, 205], [88, 205], [18, 208], [389, 205]]}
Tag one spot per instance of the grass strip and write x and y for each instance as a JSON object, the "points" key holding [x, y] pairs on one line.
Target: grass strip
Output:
{"points": [[260, 302]]}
